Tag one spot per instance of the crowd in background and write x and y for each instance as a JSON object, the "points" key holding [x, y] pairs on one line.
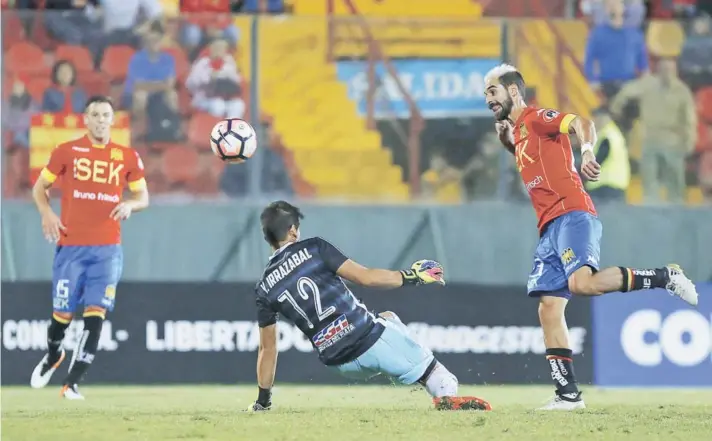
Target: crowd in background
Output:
{"points": [[653, 84], [176, 75]]}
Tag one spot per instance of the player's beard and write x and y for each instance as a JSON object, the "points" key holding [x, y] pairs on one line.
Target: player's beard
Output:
{"points": [[505, 110]]}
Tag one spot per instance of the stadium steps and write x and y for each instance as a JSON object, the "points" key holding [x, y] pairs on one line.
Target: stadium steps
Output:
{"points": [[432, 38], [394, 8], [315, 117], [538, 62]]}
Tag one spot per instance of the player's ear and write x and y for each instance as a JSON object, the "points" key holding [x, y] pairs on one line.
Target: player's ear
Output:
{"points": [[513, 90]]}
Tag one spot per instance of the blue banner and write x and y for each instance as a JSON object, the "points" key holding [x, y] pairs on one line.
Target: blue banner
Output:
{"points": [[650, 338], [440, 87]]}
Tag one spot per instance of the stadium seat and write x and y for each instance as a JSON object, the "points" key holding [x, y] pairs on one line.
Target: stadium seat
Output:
{"points": [[115, 62], [36, 87], [703, 136], [13, 31], [199, 128], [182, 63], [179, 164], [25, 58], [78, 55], [95, 83], [703, 98]]}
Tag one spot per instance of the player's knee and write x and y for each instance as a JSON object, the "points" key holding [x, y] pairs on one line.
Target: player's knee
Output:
{"points": [[95, 311], [581, 284], [62, 317], [551, 309]]}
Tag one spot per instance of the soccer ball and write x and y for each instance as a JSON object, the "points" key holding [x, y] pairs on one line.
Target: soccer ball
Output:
{"points": [[233, 140]]}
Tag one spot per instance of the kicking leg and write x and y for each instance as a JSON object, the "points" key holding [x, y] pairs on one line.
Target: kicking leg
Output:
{"points": [[85, 351], [584, 282], [559, 354]]}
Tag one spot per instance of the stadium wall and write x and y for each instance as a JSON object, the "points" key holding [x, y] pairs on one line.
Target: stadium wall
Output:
{"points": [[207, 333], [484, 243]]}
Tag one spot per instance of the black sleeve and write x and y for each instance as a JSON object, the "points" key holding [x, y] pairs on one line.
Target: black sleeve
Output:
{"points": [[603, 151], [330, 254], [265, 315]]}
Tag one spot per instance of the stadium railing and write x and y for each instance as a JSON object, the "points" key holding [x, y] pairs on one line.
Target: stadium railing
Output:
{"points": [[376, 54]]}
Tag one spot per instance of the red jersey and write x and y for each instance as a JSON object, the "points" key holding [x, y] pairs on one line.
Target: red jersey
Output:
{"points": [[546, 162], [92, 183]]}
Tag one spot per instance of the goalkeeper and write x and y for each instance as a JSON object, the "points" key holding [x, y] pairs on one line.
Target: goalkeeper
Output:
{"points": [[303, 283]]}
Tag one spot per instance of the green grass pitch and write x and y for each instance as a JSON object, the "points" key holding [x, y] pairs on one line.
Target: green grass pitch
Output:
{"points": [[345, 413]]}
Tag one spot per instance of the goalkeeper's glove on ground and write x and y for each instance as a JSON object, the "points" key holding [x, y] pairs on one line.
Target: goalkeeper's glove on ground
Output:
{"points": [[424, 272]]}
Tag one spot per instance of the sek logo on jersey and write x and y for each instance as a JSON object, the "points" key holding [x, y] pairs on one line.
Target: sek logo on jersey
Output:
{"points": [[334, 332]]}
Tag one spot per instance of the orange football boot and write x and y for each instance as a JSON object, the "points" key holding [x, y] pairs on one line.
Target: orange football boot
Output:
{"points": [[461, 403]]}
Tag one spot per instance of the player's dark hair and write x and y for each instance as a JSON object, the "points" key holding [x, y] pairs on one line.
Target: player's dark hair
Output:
{"points": [[515, 78], [277, 218], [99, 99]]}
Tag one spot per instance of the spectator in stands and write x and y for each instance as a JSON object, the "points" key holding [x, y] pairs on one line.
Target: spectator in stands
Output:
{"points": [[481, 175], [696, 57], [68, 20], [215, 83], [151, 76], [64, 95], [210, 19], [120, 22], [612, 154], [669, 128], [442, 181], [615, 53], [17, 115], [599, 11]]}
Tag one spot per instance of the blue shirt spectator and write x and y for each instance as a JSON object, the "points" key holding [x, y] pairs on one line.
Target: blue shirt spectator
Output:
{"points": [[64, 96], [600, 12], [150, 67], [615, 54]]}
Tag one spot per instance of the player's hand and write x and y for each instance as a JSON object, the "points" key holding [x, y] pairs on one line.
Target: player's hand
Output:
{"points": [[505, 133], [52, 226], [257, 407], [122, 211], [590, 169], [428, 271]]}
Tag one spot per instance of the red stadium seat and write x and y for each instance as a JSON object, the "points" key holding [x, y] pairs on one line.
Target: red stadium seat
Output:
{"points": [[25, 58], [13, 31], [704, 141], [182, 63], [115, 62], [703, 99], [95, 83], [199, 128], [180, 165], [78, 55], [36, 87]]}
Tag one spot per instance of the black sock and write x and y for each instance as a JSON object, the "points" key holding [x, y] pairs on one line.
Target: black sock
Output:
{"points": [[55, 336], [86, 349], [561, 364], [429, 370], [636, 279]]}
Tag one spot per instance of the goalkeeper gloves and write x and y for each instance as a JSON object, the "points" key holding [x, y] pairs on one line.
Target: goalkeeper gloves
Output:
{"points": [[424, 272]]}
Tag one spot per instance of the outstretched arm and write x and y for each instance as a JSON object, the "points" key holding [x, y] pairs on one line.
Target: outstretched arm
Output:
{"points": [[421, 272]]}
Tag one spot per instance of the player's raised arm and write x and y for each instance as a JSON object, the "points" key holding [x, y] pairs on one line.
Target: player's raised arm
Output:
{"points": [[52, 226]]}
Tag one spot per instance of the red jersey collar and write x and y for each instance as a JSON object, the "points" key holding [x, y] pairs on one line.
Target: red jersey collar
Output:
{"points": [[524, 113]]}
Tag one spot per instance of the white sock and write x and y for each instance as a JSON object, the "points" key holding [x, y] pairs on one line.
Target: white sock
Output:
{"points": [[441, 382]]}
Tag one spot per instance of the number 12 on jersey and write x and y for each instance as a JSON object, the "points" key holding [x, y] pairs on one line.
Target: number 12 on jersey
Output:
{"points": [[302, 284]]}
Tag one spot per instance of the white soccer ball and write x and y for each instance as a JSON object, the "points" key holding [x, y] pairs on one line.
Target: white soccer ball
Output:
{"points": [[233, 140]]}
